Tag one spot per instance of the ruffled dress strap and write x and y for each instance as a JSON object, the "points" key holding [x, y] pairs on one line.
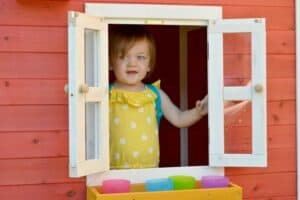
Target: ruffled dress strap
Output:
{"points": [[132, 98]]}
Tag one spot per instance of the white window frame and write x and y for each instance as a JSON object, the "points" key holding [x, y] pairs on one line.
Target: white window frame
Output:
{"points": [[79, 96], [255, 92], [159, 15]]}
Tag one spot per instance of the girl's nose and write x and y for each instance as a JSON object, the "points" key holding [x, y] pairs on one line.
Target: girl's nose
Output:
{"points": [[132, 61]]}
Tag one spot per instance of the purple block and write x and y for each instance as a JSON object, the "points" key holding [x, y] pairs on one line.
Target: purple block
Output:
{"points": [[215, 181]]}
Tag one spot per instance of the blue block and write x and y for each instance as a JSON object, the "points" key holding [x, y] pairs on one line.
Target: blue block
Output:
{"points": [[161, 184]]}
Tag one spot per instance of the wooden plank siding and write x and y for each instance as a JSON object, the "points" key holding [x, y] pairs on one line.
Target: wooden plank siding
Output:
{"points": [[34, 112], [57, 191], [50, 92], [34, 144], [267, 185], [37, 65]]}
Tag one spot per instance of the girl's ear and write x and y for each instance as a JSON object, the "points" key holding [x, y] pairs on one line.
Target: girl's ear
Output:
{"points": [[110, 68]]}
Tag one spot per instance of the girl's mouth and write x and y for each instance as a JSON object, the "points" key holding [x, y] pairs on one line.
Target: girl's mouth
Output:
{"points": [[131, 72]]}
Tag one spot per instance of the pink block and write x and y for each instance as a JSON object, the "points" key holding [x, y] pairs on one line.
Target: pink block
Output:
{"points": [[115, 186]]}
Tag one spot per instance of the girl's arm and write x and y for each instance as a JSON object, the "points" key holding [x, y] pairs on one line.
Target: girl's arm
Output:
{"points": [[180, 118], [187, 118], [232, 110]]}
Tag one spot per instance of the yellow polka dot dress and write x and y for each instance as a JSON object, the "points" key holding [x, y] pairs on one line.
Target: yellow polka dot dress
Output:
{"points": [[133, 129]]}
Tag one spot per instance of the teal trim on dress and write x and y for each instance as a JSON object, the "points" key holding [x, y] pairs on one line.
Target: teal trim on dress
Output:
{"points": [[159, 113]]}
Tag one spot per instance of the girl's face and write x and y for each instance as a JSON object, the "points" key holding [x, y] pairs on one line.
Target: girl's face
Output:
{"points": [[130, 69]]}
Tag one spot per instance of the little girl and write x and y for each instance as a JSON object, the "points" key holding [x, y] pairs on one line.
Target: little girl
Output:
{"points": [[136, 107]]}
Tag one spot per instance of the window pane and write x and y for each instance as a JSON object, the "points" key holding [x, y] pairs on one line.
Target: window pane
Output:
{"points": [[91, 57], [91, 130], [91, 79], [237, 73], [237, 129]]}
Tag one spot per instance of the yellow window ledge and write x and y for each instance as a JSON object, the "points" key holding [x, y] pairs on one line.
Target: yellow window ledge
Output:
{"points": [[138, 192]]}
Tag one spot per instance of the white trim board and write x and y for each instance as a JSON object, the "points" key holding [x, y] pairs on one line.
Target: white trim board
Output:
{"points": [[153, 11]]}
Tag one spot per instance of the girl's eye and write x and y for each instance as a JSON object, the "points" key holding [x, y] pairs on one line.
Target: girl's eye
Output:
{"points": [[141, 57]]}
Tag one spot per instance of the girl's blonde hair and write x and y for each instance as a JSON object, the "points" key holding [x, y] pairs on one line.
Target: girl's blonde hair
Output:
{"points": [[123, 37]]}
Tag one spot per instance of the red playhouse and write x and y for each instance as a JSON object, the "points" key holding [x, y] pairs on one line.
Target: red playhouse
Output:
{"points": [[54, 130]]}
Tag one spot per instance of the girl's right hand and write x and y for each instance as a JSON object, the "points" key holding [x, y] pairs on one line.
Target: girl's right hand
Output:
{"points": [[202, 106]]}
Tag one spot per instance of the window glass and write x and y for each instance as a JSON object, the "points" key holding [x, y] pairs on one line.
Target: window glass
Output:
{"points": [[92, 119], [237, 73]]}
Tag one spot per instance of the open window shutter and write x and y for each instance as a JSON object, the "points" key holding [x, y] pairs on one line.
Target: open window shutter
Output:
{"points": [[88, 95], [256, 92]]}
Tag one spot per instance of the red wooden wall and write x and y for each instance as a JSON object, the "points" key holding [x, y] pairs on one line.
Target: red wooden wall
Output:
{"points": [[33, 107]]}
